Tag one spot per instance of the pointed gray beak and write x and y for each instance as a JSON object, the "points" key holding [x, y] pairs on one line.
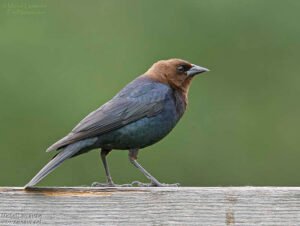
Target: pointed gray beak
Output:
{"points": [[195, 69]]}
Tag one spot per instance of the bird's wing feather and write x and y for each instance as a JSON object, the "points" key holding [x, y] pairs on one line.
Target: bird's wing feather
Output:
{"points": [[145, 100]]}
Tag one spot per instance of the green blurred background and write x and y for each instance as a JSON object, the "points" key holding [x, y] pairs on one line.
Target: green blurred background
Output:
{"points": [[59, 60]]}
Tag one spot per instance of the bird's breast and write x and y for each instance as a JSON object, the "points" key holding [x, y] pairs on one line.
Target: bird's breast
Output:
{"points": [[145, 131]]}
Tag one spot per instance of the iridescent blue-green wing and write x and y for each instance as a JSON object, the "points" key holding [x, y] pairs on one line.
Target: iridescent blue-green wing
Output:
{"points": [[129, 105]]}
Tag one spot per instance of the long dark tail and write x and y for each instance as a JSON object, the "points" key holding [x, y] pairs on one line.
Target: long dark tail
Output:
{"points": [[68, 152]]}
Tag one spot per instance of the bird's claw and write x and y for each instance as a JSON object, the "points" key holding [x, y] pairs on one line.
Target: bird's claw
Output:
{"points": [[134, 184], [152, 184], [97, 184], [171, 185]]}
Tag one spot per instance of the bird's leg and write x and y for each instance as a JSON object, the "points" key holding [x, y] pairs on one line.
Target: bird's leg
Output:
{"points": [[154, 182], [103, 154], [110, 183]]}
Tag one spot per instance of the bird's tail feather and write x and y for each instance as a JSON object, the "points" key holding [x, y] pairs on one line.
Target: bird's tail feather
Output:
{"points": [[68, 152]]}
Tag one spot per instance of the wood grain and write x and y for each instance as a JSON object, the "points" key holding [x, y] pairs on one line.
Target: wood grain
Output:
{"points": [[150, 206]]}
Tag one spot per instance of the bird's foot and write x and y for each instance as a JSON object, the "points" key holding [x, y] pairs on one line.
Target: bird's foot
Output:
{"points": [[97, 184], [171, 185], [135, 184], [152, 184]]}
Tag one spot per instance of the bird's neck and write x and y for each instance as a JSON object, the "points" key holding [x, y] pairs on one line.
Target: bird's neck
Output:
{"points": [[157, 75], [184, 95], [182, 89], [181, 102]]}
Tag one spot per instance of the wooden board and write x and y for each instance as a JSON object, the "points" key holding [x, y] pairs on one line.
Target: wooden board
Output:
{"points": [[150, 206]]}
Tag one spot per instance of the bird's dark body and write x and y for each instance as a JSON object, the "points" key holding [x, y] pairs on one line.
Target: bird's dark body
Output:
{"points": [[141, 114], [147, 130]]}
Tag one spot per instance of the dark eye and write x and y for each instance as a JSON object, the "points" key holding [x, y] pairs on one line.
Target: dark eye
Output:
{"points": [[183, 68], [180, 68]]}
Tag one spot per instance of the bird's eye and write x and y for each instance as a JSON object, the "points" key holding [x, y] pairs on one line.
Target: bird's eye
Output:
{"points": [[181, 69]]}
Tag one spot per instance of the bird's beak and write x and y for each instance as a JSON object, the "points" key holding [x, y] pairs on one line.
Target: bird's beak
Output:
{"points": [[195, 69]]}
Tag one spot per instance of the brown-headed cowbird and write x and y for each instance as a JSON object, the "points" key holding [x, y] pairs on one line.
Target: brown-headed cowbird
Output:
{"points": [[141, 114]]}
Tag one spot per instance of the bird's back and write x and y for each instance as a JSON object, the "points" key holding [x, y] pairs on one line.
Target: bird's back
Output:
{"points": [[147, 130], [142, 113]]}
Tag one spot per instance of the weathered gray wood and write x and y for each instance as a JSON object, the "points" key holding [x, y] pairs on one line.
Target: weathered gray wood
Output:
{"points": [[150, 206]]}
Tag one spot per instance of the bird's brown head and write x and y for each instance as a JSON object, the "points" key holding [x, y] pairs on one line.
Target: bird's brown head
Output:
{"points": [[175, 72]]}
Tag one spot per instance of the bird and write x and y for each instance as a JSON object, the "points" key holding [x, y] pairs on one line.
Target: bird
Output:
{"points": [[141, 114]]}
